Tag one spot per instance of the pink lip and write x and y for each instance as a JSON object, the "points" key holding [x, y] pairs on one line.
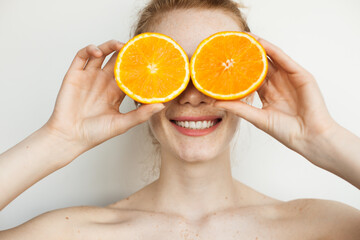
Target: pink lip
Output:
{"points": [[195, 132]]}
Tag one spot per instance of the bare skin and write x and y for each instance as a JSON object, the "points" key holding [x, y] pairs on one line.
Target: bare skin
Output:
{"points": [[195, 196], [257, 217]]}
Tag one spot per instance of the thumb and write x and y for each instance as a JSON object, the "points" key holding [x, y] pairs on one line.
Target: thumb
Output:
{"points": [[255, 116], [128, 120]]}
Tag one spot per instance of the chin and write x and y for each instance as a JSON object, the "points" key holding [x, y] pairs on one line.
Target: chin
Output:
{"points": [[196, 149], [197, 153]]}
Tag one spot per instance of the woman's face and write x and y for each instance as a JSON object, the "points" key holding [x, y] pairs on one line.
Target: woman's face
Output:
{"points": [[188, 28]]}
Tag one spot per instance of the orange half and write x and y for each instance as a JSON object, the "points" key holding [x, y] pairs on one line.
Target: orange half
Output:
{"points": [[152, 68], [228, 65]]}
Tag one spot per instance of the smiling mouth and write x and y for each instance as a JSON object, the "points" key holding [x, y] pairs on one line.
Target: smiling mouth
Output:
{"points": [[197, 125]]}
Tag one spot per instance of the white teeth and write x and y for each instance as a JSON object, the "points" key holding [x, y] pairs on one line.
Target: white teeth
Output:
{"points": [[195, 125], [204, 124]]}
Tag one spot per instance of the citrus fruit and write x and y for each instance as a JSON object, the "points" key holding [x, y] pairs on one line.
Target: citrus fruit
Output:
{"points": [[228, 65], [152, 68]]}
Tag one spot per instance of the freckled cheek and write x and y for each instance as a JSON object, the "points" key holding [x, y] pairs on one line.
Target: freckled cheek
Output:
{"points": [[156, 123], [233, 122]]}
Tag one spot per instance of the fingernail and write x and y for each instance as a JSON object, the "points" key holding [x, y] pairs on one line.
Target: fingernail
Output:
{"points": [[98, 50], [218, 104], [254, 35], [158, 108], [120, 44]]}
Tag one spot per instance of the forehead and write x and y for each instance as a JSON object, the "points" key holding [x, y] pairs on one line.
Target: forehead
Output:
{"points": [[189, 27]]}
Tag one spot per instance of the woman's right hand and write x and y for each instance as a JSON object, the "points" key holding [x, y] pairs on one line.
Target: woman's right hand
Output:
{"points": [[86, 112]]}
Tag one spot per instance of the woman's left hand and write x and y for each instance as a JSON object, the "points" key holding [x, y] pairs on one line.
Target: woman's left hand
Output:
{"points": [[293, 111]]}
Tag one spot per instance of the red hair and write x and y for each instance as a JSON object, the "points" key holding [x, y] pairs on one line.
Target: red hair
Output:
{"points": [[157, 8]]}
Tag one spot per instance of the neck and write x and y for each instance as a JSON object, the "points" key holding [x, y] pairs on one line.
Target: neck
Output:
{"points": [[195, 189]]}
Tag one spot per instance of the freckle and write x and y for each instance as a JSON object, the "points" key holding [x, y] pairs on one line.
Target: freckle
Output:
{"points": [[226, 197], [214, 213], [197, 235], [127, 198], [67, 218], [78, 231]]}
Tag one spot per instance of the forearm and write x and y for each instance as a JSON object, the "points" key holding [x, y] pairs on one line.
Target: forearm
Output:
{"points": [[338, 151], [32, 159]]}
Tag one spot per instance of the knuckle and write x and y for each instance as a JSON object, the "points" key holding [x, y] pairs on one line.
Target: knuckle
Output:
{"points": [[143, 116], [81, 51], [90, 47], [113, 41], [311, 76], [118, 44], [118, 125]]}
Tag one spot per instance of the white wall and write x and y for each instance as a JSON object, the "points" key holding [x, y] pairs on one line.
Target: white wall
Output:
{"points": [[39, 38]]}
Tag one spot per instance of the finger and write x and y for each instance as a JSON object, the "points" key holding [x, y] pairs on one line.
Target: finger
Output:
{"points": [[120, 96], [271, 71], [106, 48], [278, 56], [109, 66], [126, 121], [83, 55], [255, 116], [272, 68]]}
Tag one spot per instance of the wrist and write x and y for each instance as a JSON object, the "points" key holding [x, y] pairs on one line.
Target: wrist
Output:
{"points": [[66, 148], [322, 150], [32, 159], [337, 151]]}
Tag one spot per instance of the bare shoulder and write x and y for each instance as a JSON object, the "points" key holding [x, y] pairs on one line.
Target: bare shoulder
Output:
{"points": [[336, 219], [321, 207], [62, 224]]}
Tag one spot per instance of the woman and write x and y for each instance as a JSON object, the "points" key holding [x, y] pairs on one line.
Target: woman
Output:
{"points": [[195, 196]]}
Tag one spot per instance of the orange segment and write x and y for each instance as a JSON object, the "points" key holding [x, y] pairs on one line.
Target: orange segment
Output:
{"points": [[152, 68], [228, 65]]}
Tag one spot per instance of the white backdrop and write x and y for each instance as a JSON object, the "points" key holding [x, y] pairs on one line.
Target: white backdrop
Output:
{"points": [[39, 38]]}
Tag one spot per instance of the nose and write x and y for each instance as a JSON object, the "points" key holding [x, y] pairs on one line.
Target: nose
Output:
{"points": [[193, 96]]}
